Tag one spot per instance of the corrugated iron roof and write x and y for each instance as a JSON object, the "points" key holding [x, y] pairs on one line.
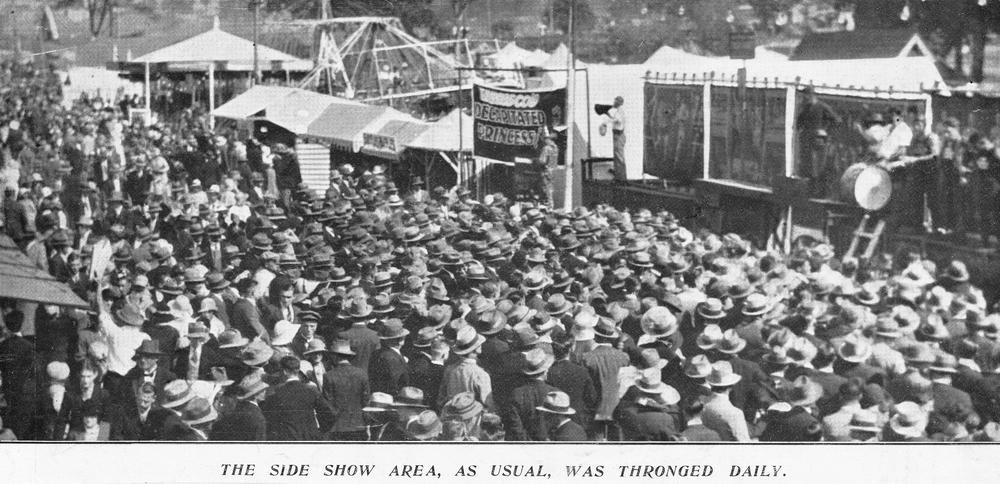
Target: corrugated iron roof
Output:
{"points": [[858, 44], [21, 279]]}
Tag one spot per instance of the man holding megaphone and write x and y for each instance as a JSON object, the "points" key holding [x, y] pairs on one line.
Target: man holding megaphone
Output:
{"points": [[615, 116]]}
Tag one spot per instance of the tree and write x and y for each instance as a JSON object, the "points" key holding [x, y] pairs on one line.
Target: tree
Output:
{"points": [[583, 16], [954, 25]]}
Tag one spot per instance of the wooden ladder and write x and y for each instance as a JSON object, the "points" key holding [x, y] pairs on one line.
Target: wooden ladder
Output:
{"points": [[863, 232]]}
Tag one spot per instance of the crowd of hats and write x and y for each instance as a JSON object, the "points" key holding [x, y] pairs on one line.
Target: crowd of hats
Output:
{"points": [[443, 270]]}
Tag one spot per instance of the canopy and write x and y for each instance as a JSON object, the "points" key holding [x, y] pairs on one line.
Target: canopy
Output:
{"points": [[392, 138], [252, 102], [446, 134], [219, 47], [296, 111], [22, 280]]}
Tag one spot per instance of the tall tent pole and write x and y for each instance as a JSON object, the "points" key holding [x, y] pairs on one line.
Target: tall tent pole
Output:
{"points": [[145, 89], [570, 114], [211, 95]]}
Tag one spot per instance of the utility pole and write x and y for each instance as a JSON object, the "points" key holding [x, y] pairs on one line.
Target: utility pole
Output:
{"points": [[255, 5], [570, 114]]}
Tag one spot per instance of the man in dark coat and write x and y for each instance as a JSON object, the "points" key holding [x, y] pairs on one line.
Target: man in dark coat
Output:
{"points": [[387, 371], [17, 356], [244, 315], [426, 369], [648, 410], [245, 422], [556, 414], [147, 369], [364, 341], [345, 386], [141, 418], [295, 408], [521, 418], [573, 379]]}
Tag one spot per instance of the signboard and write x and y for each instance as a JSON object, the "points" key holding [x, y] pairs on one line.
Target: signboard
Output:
{"points": [[742, 45], [747, 142], [509, 124], [674, 132], [380, 142]]}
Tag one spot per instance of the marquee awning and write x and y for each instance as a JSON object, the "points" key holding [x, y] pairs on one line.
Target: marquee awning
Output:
{"points": [[20, 279], [343, 125], [252, 102]]}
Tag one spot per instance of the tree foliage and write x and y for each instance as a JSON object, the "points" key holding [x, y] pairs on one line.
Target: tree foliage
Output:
{"points": [[583, 16]]}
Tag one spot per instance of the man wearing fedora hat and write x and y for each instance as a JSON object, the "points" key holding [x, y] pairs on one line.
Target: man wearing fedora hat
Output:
{"points": [[720, 414], [426, 365], [363, 340], [603, 363], [464, 374], [347, 389], [245, 421], [557, 419], [520, 416], [648, 410], [793, 419], [245, 316], [388, 371]]}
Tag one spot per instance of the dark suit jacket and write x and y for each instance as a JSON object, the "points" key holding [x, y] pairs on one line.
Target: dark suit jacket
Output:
{"points": [[134, 378], [245, 317], [17, 356], [645, 422], [700, 433], [168, 338], [972, 382], [952, 400], [125, 424], [575, 381], [751, 392], [345, 386], [244, 423], [59, 268], [56, 425], [293, 411], [520, 419], [568, 432], [364, 342], [426, 376], [388, 372], [787, 426]]}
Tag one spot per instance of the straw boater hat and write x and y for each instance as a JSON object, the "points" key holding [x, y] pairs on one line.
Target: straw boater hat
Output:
{"points": [[712, 308], [854, 349], [731, 343], [410, 397]]}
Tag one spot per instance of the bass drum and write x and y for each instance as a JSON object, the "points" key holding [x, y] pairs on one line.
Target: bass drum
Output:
{"points": [[869, 186]]}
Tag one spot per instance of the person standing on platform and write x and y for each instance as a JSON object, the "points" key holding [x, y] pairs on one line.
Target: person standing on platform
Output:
{"points": [[547, 161], [616, 118]]}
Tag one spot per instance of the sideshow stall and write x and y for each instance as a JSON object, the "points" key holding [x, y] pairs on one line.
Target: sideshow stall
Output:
{"points": [[740, 145]]}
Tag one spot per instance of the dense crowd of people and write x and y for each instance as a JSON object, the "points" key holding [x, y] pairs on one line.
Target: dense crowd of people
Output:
{"points": [[230, 302]]}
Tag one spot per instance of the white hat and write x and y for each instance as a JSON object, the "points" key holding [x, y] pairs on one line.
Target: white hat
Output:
{"points": [[284, 332], [57, 371]]}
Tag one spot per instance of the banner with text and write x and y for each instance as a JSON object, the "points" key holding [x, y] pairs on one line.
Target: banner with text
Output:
{"points": [[510, 124]]}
